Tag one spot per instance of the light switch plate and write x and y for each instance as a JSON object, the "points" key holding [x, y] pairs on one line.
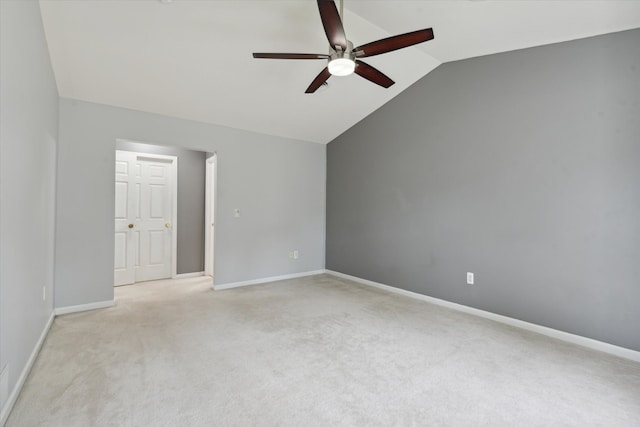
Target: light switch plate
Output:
{"points": [[470, 278]]}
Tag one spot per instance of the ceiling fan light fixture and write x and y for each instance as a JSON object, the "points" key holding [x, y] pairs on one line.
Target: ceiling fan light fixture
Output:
{"points": [[342, 55], [342, 66]]}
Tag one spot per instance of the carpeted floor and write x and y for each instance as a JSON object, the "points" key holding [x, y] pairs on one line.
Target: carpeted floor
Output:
{"points": [[315, 351]]}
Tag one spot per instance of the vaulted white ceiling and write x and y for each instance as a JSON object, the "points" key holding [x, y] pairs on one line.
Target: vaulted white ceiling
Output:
{"points": [[192, 58]]}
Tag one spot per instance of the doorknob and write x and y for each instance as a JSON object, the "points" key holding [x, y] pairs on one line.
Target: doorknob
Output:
{"points": [[167, 225], [130, 225]]}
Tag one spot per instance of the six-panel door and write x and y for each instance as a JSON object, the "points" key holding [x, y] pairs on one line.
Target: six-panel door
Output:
{"points": [[143, 218]]}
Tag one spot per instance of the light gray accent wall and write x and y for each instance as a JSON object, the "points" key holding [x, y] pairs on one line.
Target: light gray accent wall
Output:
{"points": [[278, 185], [28, 138], [191, 187], [522, 167]]}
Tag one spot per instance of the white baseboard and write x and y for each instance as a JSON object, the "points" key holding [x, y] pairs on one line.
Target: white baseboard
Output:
{"points": [[188, 275], [84, 307], [6, 410], [266, 280], [553, 333]]}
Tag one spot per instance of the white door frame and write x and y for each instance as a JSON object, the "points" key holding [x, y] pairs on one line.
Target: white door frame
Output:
{"points": [[211, 191], [174, 211]]}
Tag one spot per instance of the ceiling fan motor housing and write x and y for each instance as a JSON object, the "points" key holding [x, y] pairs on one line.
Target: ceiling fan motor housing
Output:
{"points": [[342, 63]]}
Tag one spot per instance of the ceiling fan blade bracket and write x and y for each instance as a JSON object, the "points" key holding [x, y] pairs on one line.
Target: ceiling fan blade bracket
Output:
{"points": [[340, 53]]}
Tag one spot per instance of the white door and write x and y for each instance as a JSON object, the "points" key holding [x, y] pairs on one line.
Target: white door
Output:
{"points": [[144, 217], [210, 199]]}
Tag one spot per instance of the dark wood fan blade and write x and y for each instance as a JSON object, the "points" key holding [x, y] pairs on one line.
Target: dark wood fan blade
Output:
{"points": [[332, 24], [290, 55], [317, 82], [372, 74], [393, 43]]}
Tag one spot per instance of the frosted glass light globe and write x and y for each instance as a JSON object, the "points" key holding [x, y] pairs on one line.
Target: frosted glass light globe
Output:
{"points": [[342, 66]]}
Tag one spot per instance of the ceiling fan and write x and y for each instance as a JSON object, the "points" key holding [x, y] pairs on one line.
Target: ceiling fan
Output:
{"points": [[343, 57]]}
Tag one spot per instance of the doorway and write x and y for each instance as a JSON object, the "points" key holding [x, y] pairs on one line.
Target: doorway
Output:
{"points": [[145, 217], [210, 210]]}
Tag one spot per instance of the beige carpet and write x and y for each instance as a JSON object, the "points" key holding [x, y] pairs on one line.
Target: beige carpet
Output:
{"points": [[316, 351]]}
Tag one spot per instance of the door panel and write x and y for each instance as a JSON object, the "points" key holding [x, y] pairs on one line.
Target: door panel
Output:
{"points": [[121, 200], [122, 167], [156, 247], [136, 248], [156, 171], [120, 259], [137, 196], [156, 202]]}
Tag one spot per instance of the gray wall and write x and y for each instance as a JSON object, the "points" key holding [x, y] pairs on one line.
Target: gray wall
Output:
{"points": [[278, 184], [191, 190], [522, 167], [28, 135]]}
